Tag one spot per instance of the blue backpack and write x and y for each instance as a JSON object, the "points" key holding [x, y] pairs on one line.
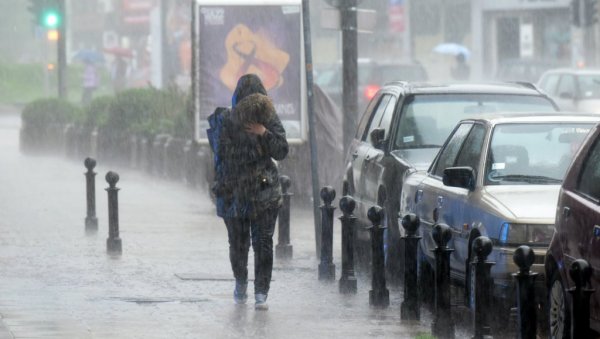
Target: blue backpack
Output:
{"points": [[215, 122]]}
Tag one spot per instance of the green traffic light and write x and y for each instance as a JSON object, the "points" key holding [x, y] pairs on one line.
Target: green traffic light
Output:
{"points": [[51, 20]]}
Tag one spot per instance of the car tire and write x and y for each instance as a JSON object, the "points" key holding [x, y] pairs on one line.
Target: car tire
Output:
{"points": [[559, 320]]}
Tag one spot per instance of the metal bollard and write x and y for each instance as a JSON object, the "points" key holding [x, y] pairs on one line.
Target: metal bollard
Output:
{"points": [[379, 296], [410, 308], [113, 243], [348, 280], [91, 221], [524, 258], [482, 247], [581, 272], [284, 250], [326, 267], [442, 326]]}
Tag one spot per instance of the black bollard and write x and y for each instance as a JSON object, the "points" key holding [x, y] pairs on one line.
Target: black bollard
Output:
{"points": [[581, 272], [284, 249], [348, 280], [410, 308], [91, 222], [113, 243], [326, 267], [482, 247], [379, 296], [442, 326], [526, 305]]}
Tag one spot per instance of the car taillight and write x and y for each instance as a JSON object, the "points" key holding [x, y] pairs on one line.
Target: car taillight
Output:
{"points": [[371, 90]]}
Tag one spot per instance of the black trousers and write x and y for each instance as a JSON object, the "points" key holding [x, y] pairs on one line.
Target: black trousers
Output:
{"points": [[260, 231]]}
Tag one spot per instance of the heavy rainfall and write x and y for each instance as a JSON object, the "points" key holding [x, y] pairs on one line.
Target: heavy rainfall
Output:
{"points": [[299, 169]]}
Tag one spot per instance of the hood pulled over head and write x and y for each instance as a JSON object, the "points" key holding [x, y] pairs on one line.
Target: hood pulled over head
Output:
{"points": [[247, 84]]}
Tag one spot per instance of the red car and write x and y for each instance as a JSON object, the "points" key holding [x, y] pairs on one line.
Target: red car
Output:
{"points": [[577, 236]]}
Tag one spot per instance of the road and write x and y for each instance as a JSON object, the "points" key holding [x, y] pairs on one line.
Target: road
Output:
{"points": [[173, 279]]}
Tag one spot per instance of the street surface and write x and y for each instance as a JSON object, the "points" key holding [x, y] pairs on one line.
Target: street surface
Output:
{"points": [[173, 279]]}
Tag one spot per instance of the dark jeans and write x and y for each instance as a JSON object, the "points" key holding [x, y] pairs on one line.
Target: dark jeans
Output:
{"points": [[260, 230]]}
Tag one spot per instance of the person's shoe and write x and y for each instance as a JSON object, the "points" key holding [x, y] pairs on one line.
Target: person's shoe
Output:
{"points": [[261, 302], [239, 293]]}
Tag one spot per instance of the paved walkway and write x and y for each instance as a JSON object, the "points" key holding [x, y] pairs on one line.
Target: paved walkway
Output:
{"points": [[173, 279]]}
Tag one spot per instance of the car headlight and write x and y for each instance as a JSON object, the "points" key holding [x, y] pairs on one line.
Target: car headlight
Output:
{"points": [[524, 234]]}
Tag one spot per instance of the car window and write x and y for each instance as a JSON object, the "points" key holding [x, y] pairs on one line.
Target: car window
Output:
{"points": [[364, 120], [426, 120], [532, 153], [388, 114], [448, 154], [589, 86], [471, 151], [590, 174], [549, 84], [566, 86], [376, 116]]}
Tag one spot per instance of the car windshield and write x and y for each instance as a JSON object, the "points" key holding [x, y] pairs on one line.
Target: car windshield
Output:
{"points": [[589, 86], [427, 119], [532, 154]]}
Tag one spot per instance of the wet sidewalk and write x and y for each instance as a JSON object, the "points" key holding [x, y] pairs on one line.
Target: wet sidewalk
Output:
{"points": [[173, 279]]}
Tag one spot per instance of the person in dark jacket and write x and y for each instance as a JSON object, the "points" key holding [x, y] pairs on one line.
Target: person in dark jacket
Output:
{"points": [[247, 182]]}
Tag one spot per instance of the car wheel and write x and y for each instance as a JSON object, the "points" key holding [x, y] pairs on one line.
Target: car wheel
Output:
{"points": [[559, 320]]}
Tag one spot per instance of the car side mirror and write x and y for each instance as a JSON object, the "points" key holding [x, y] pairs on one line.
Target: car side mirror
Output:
{"points": [[463, 177], [377, 135]]}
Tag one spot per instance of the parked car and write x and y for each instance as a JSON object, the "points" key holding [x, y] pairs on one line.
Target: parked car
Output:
{"points": [[573, 89], [528, 70], [496, 177], [577, 237], [371, 75], [403, 128]]}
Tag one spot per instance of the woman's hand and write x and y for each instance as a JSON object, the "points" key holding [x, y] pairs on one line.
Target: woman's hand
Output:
{"points": [[255, 128]]}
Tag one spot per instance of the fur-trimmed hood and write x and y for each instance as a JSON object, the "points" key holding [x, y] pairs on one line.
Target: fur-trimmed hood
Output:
{"points": [[255, 108]]}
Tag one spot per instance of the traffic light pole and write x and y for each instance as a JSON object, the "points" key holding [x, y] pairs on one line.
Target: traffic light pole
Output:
{"points": [[62, 53], [350, 69]]}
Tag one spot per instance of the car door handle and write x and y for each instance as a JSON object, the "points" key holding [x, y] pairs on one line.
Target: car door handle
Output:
{"points": [[440, 202], [354, 155], [566, 212]]}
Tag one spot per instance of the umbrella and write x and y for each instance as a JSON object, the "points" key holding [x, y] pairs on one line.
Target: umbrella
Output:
{"points": [[89, 56], [452, 49], [119, 51]]}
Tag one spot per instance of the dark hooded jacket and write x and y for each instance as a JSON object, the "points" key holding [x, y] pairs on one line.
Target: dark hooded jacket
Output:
{"points": [[249, 180]]}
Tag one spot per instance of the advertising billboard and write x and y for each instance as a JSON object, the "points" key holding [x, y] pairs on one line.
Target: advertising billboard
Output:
{"points": [[260, 37]]}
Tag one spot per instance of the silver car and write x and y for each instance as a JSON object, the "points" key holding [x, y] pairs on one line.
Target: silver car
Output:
{"points": [[498, 177]]}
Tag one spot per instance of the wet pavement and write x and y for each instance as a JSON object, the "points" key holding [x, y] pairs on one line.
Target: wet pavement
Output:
{"points": [[173, 279]]}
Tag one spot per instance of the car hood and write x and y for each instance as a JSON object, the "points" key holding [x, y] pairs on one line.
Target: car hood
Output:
{"points": [[589, 105], [419, 158], [525, 202]]}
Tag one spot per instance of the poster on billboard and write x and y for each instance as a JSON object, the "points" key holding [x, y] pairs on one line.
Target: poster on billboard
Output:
{"points": [[240, 37]]}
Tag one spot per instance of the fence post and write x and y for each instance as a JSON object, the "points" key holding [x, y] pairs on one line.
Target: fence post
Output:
{"points": [[91, 221], [284, 250], [410, 308], [379, 295], [482, 247], [524, 258], [348, 280], [581, 272], [326, 267], [113, 243], [442, 326]]}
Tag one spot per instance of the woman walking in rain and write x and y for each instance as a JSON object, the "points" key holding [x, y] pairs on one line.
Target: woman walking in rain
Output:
{"points": [[245, 140]]}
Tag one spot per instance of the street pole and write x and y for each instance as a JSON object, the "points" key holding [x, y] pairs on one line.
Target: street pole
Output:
{"points": [[312, 139], [62, 52], [349, 68], [165, 71]]}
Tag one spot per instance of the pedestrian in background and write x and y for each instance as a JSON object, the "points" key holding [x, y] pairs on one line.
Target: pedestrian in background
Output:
{"points": [[245, 139], [461, 70], [90, 82]]}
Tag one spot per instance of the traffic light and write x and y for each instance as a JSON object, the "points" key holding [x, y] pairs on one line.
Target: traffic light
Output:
{"points": [[46, 13], [590, 12]]}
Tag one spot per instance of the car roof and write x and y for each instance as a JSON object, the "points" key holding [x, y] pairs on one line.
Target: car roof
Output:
{"points": [[499, 118], [517, 88]]}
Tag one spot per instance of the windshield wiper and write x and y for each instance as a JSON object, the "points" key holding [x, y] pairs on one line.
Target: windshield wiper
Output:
{"points": [[420, 146], [533, 179]]}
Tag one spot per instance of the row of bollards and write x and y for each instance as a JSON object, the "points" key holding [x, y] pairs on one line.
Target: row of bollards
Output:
{"points": [[113, 242]]}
